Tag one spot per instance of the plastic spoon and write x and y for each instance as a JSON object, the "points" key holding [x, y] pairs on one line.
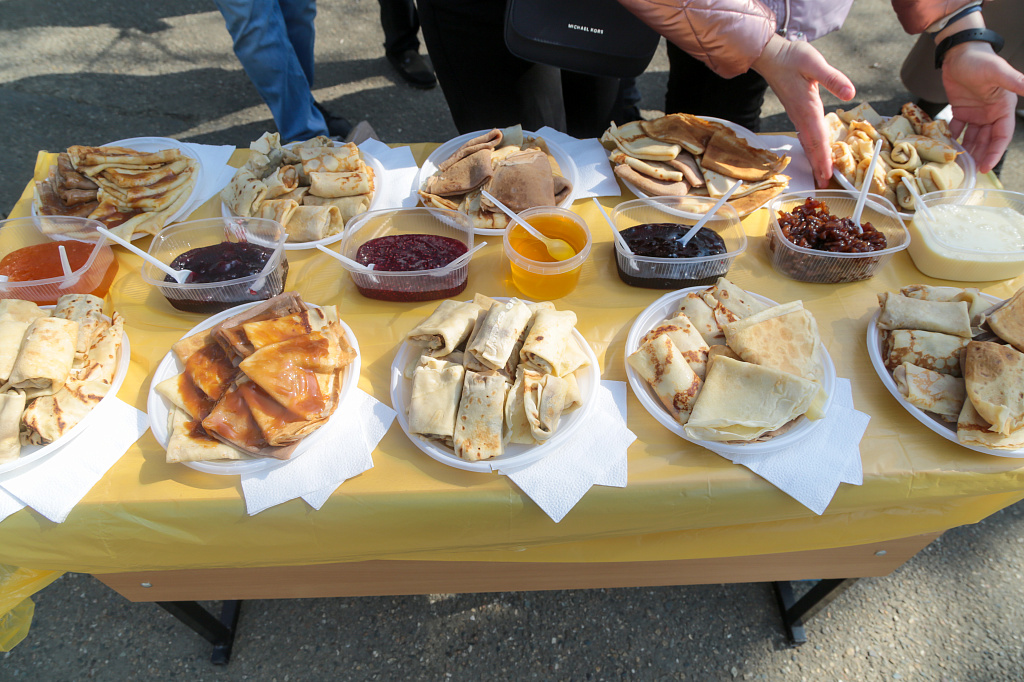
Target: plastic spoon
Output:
{"points": [[461, 260], [618, 235], [559, 249], [866, 187], [65, 265], [261, 281], [368, 269], [685, 239], [180, 276], [918, 201]]}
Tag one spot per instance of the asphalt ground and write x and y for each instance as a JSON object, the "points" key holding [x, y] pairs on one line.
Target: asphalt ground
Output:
{"points": [[89, 73]]}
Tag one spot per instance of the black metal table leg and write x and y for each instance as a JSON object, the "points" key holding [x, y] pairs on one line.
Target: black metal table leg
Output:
{"points": [[795, 612], [218, 632]]}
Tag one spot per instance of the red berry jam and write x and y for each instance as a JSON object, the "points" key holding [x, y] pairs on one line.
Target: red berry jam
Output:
{"points": [[410, 253], [222, 263]]}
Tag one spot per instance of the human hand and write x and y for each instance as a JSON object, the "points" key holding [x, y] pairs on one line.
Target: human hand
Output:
{"points": [[793, 70], [982, 89]]}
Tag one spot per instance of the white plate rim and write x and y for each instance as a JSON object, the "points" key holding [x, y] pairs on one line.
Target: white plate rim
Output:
{"points": [[969, 167], [120, 372], [378, 170], [533, 453], [157, 407], [639, 386], [565, 162], [874, 343], [748, 135]]}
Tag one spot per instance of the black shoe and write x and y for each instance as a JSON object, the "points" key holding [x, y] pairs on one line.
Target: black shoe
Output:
{"points": [[411, 66], [337, 126]]}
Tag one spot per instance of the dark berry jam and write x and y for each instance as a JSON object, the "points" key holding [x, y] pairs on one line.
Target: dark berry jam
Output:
{"points": [[410, 253], [222, 263], [663, 240]]}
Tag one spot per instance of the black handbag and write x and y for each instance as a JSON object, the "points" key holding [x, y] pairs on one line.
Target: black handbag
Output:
{"points": [[597, 37]]}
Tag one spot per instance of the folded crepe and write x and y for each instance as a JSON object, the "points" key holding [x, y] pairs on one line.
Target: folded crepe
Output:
{"points": [[549, 335], [281, 427], [741, 401], [837, 129], [688, 341], [658, 170], [972, 429], [186, 443], [915, 115], [523, 180], [45, 357], [310, 223], [718, 184], [517, 425], [692, 133], [434, 399], [729, 154], [447, 327], [244, 194], [902, 312], [633, 140], [862, 112], [278, 210], [91, 157], [995, 374], [15, 317], [282, 181], [871, 132], [49, 417], [927, 390], [102, 361], [844, 161], [734, 299], [478, 427], [933, 177], [260, 333], [895, 128], [348, 207], [487, 141], [466, 174], [230, 333], [12, 404], [211, 370], [543, 399], [666, 371], [976, 303], [499, 333], [929, 350], [651, 186], [938, 130], [265, 154], [702, 317], [1008, 321]]}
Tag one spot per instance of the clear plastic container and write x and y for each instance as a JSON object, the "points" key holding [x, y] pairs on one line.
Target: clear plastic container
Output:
{"points": [[213, 297], [93, 276], [675, 273], [827, 267], [534, 272], [966, 245], [428, 284]]}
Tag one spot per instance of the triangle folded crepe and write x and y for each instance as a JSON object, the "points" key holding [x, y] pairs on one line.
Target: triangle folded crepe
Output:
{"points": [[187, 445], [931, 391], [1008, 321], [687, 339], [729, 154], [692, 133], [741, 401], [632, 140], [663, 367], [995, 384]]}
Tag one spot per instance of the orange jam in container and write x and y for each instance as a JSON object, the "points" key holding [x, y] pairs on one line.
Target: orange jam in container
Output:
{"points": [[534, 272]]}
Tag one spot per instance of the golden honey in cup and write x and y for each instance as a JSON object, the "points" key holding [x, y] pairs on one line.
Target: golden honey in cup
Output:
{"points": [[535, 273]]}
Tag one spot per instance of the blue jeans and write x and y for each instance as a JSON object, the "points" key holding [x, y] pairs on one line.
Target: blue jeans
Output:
{"points": [[273, 39]]}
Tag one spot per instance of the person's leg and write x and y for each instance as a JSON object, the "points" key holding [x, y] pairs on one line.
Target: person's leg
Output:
{"points": [[300, 22], [484, 84], [262, 45], [589, 102], [693, 88], [400, 22]]}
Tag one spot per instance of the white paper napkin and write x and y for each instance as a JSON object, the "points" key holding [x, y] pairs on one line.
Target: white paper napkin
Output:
{"points": [[596, 455], [338, 451], [801, 178], [216, 174], [811, 470], [55, 484], [595, 177], [398, 186]]}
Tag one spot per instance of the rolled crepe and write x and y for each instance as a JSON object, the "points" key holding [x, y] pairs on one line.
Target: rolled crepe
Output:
{"points": [[871, 132], [309, 223], [1008, 321], [977, 304], [499, 333], [447, 327], [995, 374], [244, 193], [282, 181], [931, 150], [861, 144], [837, 129], [478, 427], [49, 417], [517, 426], [298, 195], [652, 169], [938, 130], [331, 159], [940, 176], [549, 334], [844, 161], [544, 397], [972, 429], [15, 317], [280, 210], [12, 404], [901, 312], [877, 179], [741, 401], [702, 316], [632, 140], [349, 207], [904, 155], [345, 184], [652, 186], [687, 340], [927, 390], [737, 301], [87, 311], [929, 350], [894, 178], [915, 115], [44, 358], [101, 362], [662, 366], [895, 128], [265, 154], [434, 401]]}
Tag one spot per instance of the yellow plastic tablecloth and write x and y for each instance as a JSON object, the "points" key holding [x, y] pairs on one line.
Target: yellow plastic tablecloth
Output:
{"points": [[682, 501]]}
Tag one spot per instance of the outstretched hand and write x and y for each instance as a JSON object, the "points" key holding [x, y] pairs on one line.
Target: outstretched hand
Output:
{"points": [[982, 89], [793, 70]]}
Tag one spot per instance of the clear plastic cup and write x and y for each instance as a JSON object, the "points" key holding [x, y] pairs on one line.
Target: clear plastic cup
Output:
{"points": [[535, 273]]}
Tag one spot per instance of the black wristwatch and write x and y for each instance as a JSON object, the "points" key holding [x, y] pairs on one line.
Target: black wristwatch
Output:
{"points": [[967, 36]]}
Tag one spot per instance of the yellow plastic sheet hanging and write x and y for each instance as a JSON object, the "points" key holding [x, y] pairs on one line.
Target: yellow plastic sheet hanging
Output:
{"points": [[17, 585]]}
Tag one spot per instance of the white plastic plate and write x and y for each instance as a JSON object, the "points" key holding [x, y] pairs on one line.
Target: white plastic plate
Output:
{"points": [[515, 455], [663, 309], [378, 171], [945, 429], [159, 408], [565, 164], [34, 453]]}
